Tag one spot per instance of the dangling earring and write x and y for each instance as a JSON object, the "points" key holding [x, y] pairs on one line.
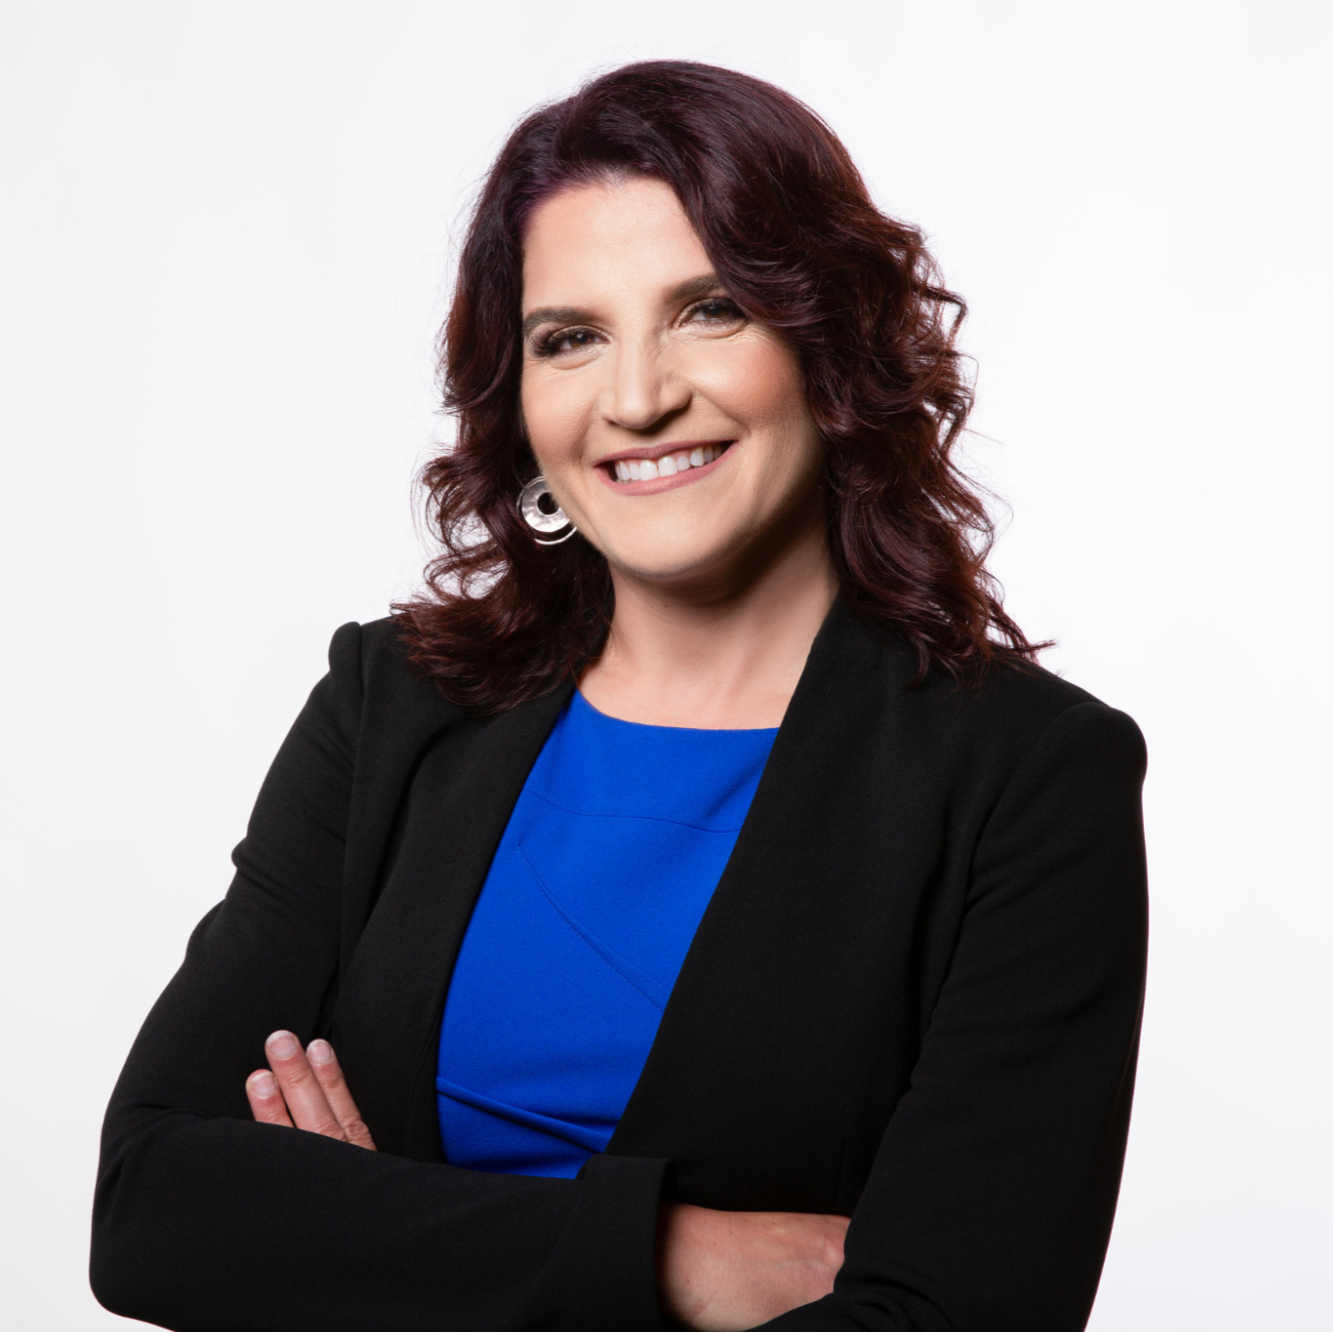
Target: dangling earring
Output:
{"points": [[542, 513]]}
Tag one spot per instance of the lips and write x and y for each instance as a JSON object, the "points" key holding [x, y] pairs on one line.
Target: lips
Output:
{"points": [[667, 464], [663, 467]]}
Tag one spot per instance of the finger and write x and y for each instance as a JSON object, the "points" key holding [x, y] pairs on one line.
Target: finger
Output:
{"points": [[330, 1076], [266, 1104], [305, 1099]]}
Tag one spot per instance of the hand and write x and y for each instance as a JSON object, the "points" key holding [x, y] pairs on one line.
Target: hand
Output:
{"points": [[306, 1090], [725, 1270]]}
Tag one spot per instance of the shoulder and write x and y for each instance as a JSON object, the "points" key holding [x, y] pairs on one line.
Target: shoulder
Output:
{"points": [[358, 652], [1026, 700], [1044, 719], [995, 722], [371, 683]]}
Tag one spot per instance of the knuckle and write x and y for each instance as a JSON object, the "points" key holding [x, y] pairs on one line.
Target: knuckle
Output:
{"points": [[297, 1076], [334, 1088]]}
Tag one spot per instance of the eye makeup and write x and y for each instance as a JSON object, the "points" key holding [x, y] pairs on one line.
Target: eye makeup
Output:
{"points": [[716, 311]]}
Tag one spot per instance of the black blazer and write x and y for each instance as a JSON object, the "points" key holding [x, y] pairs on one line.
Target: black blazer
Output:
{"points": [[914, 999]]}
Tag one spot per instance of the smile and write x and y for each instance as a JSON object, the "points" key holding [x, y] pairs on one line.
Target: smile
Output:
{"points": [[672, 466]]}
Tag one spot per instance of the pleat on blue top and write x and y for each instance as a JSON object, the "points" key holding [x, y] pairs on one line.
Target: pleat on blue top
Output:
{"points": [[609, 859]]}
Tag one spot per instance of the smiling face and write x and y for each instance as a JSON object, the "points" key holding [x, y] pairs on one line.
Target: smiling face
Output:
{"points": [[673, 430]]}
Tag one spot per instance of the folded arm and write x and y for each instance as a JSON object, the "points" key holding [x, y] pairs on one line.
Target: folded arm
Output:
{"points": [[205, 1218], [991, 1198], [227, 1201]]}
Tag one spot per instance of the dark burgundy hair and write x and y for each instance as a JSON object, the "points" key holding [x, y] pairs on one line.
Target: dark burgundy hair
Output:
{"points": [[786, 220]]}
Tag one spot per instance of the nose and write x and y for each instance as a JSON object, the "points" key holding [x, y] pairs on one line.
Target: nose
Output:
{"points": [[641, 391]]}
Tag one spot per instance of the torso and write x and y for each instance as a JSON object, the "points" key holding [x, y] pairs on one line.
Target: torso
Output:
{"points": [[607, 863]]}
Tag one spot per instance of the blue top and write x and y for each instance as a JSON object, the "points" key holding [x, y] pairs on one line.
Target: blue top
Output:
{"points": [[597, 887]]}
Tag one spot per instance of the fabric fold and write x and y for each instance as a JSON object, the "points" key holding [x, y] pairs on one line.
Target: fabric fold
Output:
{"points": [[592, 1140]]}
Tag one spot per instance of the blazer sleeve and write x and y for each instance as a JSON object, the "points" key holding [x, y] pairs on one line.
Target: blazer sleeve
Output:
{"points": [[204, 1219], [990, 1201]]}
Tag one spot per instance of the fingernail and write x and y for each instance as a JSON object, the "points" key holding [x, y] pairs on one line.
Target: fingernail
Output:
{"points": [[283, 1045], [263, 1084], [320, 1051]]}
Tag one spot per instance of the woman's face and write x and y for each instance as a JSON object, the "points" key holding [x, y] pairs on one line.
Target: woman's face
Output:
{"points": [[673, 430]]}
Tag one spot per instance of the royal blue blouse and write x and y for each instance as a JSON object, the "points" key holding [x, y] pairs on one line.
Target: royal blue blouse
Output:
{"points": [[597, 887]]}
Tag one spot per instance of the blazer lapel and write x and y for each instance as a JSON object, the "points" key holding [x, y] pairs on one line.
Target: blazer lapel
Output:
{"points": [[718, 1078], [458, 802]]}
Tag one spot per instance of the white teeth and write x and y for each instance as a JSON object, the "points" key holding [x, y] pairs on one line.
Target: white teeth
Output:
{"points": [[644, 469]]}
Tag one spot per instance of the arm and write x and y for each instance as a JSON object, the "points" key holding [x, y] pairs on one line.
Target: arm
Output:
{"points": [[205, 1219], [728, 1270], [990, 1201], [716, 1269]]}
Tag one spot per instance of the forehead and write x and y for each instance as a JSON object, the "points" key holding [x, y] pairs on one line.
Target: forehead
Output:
{"points": [[614, 237]]}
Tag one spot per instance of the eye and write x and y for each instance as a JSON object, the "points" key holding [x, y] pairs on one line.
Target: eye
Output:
{"points": [[563, 341], [714, 310]]}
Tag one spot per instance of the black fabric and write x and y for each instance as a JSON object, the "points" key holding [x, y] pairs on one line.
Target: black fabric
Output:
{"points": [[914, 999]]}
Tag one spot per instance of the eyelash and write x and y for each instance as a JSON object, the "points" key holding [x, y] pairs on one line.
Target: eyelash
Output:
{"points": [[546, 345]]}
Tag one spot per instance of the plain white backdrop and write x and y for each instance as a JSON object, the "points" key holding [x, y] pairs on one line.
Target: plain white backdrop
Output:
{"points": [[224, 249]]}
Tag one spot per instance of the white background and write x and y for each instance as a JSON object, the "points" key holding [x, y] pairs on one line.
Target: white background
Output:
{"points": [[224, 240]]}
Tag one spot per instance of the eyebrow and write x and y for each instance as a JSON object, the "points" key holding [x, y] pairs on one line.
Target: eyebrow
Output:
{"points": [[568, 314]]}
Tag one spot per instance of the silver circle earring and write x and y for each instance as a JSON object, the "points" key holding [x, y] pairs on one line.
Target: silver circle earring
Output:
{"points": [[542, 513]]}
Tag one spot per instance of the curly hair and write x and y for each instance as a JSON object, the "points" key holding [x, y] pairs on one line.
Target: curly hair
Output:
{"points": [[786, 219]]}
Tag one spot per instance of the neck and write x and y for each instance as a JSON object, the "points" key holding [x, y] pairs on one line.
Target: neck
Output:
{"points": [[724, 652]]}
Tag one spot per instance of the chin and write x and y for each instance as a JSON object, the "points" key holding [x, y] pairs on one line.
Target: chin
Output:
{"points": [[673, 564], [682, 570]]}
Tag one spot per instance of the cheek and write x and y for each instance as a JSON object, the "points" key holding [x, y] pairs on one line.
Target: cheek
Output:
{"points": [[760, 386], [554, 416]]}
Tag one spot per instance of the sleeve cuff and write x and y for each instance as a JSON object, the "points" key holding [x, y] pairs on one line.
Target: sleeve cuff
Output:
{"points": [[602, 1273]]}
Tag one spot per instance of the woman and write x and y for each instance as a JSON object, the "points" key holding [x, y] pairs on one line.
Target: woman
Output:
{"points": [[702, 863]]}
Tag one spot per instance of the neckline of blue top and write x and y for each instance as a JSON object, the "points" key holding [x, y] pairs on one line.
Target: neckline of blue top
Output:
{"points": [[580, 701]]}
